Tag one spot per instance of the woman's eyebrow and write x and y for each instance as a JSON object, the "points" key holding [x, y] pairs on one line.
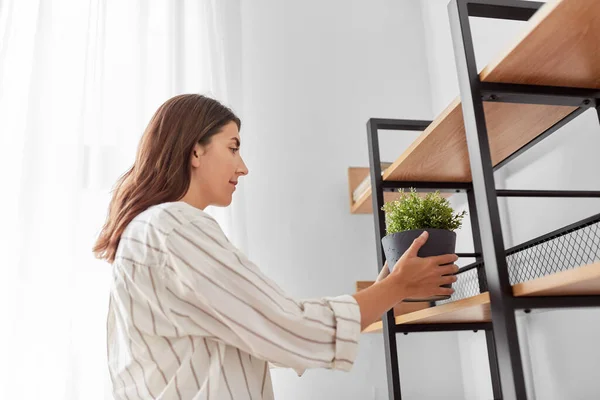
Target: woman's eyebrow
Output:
{"points": [[237, 141]]}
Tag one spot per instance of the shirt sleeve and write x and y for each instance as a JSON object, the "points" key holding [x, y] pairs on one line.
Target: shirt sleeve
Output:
{"points": [[215, 291]]}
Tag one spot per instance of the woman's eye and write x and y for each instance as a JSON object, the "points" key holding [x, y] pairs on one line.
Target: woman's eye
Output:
{"points": [[235, 149]]}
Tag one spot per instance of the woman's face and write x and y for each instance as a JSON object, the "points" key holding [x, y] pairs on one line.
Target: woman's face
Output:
{"points": [[218, 166]]}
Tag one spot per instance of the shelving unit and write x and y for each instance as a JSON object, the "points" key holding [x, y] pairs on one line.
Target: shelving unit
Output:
{"points": [[548, 78]]}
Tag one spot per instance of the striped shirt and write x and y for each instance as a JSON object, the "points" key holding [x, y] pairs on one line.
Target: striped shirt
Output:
{"points": [[190, 317]]}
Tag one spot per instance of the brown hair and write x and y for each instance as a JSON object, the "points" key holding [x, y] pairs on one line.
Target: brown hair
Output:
{"points": [[161, 172]]}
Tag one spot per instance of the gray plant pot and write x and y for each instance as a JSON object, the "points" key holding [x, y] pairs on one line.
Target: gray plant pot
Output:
{"points": [[440, 242]]}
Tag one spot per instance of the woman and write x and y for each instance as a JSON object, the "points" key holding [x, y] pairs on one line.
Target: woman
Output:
{"points": [[190, 317]]}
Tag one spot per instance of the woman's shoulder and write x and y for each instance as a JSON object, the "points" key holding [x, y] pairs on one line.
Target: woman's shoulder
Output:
{"points": [[147, 234]]}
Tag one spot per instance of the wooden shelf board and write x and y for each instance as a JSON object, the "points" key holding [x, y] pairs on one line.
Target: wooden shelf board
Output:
{"points": [[440, 153], [364, 203], [560, 48], [472, 309], [584, 280]]}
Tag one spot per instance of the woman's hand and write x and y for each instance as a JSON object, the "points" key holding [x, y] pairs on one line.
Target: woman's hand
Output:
{"points": [[412, 277], [418, 277]]}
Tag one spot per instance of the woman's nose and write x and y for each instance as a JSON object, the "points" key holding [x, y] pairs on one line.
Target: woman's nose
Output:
{"points": [[243, 169]]}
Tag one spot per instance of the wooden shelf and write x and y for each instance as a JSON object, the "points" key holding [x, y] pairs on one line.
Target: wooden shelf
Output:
{"points": [[584, 280], [559, 48], [553, 51], [580, 281], [363, 205], [473, 309]]}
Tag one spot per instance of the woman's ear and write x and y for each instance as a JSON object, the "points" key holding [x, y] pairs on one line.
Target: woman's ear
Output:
{"points": [[197, 151]]}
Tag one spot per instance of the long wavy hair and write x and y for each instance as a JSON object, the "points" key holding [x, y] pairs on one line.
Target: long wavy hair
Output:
{"points": [[161, 171]]}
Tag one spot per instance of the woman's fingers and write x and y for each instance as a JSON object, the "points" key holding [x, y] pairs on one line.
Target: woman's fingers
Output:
{"points": [[448, 279], [445, 291], [447, 269], [416, 245], [444, 259]]}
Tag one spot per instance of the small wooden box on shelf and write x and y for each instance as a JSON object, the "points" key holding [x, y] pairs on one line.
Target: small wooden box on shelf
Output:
{"points": [[360, 190]]}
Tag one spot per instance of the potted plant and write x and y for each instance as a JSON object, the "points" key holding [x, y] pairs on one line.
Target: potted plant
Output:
{"points": [[407, 217]]}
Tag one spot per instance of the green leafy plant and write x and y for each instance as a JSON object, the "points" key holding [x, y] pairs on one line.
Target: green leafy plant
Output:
{"points": [[412, 211]]}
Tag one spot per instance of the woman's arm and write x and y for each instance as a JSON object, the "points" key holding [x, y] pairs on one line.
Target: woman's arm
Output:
{"points": [[213, 290]]}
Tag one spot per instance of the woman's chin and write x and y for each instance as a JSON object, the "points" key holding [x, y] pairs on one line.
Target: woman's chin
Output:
{"points": [[224, 202]]}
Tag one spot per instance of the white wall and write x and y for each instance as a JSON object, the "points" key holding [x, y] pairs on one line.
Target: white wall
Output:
{"points": [[559, 348], [313, 73]]}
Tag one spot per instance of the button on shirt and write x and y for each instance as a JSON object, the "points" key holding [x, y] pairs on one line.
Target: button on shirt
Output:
{"points": [[190, 317]]}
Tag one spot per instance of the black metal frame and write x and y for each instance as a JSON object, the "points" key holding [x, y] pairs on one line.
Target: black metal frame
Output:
{"points": [[475, 326], [507, 371], [473, 92], [378, 186], [389, 323]]}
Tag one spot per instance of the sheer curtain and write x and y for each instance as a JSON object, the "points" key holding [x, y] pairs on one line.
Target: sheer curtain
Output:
{"points": [[79, 81]]}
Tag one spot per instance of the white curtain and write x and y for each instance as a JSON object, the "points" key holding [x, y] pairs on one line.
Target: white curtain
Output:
{"points": [[79, 80]]}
